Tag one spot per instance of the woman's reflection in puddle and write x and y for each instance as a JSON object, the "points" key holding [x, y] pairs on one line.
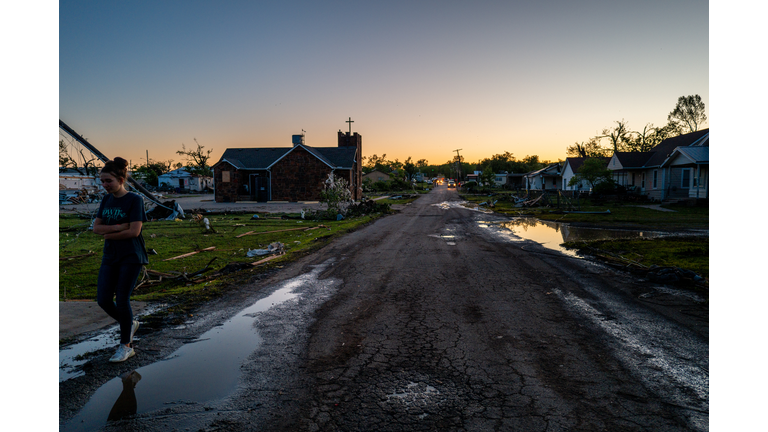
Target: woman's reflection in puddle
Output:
{"points": [[125, 405]]}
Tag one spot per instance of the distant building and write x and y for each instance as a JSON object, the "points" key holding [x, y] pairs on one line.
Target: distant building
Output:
{"points": [[377, 176], [291, 174], [184, 180], [79, 178]]}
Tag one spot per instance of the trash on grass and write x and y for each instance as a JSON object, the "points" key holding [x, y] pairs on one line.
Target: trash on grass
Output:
{"points": [[274, 248]]}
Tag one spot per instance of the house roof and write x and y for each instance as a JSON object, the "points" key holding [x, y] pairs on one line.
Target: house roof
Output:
{"points": [[577, 162], [253, 158], [545, 170], [633, 159], [666, 147], [265, 157], [696, 154], [659, 154], [179, 172]]}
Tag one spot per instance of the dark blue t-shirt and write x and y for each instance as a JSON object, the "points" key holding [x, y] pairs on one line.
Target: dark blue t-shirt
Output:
{"points": [[114, 211]]}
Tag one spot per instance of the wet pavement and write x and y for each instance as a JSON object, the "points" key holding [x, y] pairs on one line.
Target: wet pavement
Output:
{"points": [[437, 318]]}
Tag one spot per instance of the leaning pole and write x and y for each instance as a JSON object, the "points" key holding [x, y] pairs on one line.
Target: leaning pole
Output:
{"points": [[103, 158]]}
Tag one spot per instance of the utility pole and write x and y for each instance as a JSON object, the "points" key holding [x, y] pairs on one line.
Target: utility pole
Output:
{"points": [[458, 165]]}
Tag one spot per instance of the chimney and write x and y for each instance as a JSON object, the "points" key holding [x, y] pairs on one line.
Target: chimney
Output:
{"points": [[297, 139]]}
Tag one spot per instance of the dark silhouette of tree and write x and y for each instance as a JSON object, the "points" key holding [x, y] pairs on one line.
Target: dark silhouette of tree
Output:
{"points": [[688, 114], [197, 159]]}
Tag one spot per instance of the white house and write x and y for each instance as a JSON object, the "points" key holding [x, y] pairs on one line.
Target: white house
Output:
{"points": [[571, 168], [70, 178], [547, 178], [183, 179]]}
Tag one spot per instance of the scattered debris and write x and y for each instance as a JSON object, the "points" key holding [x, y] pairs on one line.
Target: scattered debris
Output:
{"points": [[174, 276], [191, 253], [270, 232], [274, 248], [168, 210]]}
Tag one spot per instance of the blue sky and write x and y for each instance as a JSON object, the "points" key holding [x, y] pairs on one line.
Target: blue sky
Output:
{"points": [[419, 79]]}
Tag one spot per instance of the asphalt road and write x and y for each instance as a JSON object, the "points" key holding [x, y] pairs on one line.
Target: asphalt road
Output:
{"points": [[433, 319]]}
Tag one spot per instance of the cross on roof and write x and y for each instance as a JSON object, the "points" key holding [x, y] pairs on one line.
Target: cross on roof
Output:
{"points": [[350, 121]]}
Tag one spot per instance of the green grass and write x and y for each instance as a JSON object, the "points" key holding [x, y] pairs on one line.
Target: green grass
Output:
{"points": [[77, 276], [690, 253]]}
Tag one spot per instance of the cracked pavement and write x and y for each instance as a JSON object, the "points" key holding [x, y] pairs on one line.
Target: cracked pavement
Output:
{"points": [[428, 320]]}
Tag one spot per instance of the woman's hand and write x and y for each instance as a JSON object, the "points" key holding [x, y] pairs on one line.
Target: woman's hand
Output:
{"points": [[131, 230], [101, 229]]}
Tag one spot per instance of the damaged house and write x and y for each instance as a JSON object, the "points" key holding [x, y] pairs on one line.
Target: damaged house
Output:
{"points": [[677, 168], [185, 180], [290, 174]]}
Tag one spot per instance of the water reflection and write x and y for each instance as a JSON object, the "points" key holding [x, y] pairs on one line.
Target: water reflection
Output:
{"points": [[125, 405], [552, 234], [205, 369]]}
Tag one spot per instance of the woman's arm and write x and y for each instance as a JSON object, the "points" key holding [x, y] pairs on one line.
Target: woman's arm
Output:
{"points": [[101, 229], [133, 230]]}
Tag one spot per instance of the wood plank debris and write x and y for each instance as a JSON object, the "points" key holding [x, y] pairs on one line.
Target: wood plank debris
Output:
{"points": [[270, 232], [191, 253]]}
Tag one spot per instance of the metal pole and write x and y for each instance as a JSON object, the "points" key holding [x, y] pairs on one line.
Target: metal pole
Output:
{"points": [[103, 158]]}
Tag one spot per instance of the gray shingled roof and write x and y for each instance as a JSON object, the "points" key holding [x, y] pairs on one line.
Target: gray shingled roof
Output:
{"points": [[634, 159], [253, 158], [666, 147], [264, 157]]}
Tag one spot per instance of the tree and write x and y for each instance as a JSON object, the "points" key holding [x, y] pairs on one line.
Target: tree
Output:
{"points": [[410, 168], [65, 160], [487, 177], [150, 172], [688, 114], [337, 195], [593, 171], [374, 163], [589, 149], [618, 136], [642, 141], [197, 159]]}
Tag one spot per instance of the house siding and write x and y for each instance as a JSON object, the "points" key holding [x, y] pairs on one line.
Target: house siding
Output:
{"points": [[226, 191], [298, 176]]}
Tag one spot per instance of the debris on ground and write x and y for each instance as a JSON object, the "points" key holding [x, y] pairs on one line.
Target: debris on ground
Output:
{"points": [[273, 248], [174, 276], [168, 210], [270, 232], [203, 221], [191, 253]]}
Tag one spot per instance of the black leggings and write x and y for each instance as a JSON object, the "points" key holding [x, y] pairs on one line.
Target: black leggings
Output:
{"points": [[117, 281]]}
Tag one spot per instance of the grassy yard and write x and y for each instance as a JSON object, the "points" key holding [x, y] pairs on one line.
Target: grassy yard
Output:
{"points": [[80, 251], [686, 252]]}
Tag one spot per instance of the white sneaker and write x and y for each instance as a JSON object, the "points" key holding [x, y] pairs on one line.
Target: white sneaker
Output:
{"points": [[122, 354], [134, 327]]}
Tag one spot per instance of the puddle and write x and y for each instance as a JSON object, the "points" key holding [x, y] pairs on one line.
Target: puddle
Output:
{"points": [[552, 234], [445, 205], [75, 355], [204, 370]]}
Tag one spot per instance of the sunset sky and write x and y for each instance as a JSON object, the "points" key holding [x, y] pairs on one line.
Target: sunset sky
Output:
{"points": [[418, 79]]}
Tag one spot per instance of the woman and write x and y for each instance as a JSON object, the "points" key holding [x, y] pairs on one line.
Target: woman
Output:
{"points": [[119, 221]]}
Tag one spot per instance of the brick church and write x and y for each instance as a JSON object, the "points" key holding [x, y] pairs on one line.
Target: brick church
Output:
{"points": [[290, 174]]}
